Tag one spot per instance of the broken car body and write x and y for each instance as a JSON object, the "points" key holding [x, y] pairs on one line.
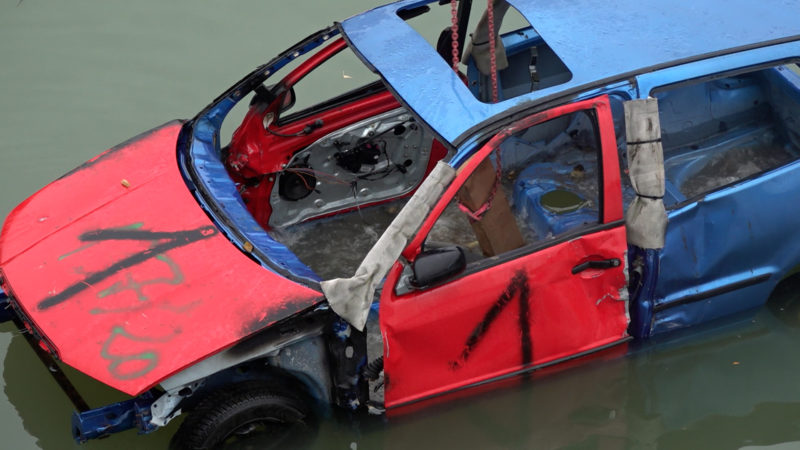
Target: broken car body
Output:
{"points": [[415, 236]]}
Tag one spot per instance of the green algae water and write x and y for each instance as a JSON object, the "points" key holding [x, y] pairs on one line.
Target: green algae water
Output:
{"points": [[81, 76]]}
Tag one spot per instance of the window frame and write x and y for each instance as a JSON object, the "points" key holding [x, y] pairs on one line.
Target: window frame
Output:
{"points": [[609, 185], [717, 75], [315, 62]]}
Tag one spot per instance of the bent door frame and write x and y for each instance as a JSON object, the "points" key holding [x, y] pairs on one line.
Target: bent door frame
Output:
{"points": [[406, 362]]}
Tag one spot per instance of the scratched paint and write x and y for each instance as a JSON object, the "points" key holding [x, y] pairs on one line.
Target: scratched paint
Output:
{"points": [[506, 318], [118, 362], [171, 240], [133, 226], [136, 286], [159, 243], [517, 288], [175, 271]]}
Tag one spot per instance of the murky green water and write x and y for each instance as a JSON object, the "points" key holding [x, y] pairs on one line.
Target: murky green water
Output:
{"points": [[78, 77]]}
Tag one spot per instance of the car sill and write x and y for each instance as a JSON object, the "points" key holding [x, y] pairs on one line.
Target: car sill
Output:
{"points": [[712, 292]]}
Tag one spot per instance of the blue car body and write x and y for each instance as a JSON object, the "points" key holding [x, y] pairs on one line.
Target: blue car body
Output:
{"points": [[725, 251]]}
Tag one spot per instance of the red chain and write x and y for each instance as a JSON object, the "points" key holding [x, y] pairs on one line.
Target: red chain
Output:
{"points": [[492, 49], [478, 214], [454, 33]]}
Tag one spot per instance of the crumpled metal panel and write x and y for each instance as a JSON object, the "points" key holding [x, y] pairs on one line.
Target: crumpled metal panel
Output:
{"points": [[512, 317], [127, 278], [726, 252], [221, 196], [352, 297], [415, 71]]}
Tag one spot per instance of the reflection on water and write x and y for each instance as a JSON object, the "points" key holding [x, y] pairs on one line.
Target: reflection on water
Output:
{"points": [[80, 76], [732, 384]]}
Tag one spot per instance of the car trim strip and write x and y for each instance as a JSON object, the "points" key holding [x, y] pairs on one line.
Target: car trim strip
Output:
{"points": [[712, 292]]}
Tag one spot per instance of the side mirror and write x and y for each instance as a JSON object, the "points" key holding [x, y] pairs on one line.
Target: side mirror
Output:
{"points": [[264, 96], [434, 266], [288, 100]]}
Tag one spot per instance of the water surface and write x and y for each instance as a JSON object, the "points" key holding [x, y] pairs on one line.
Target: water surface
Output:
{"points": [[78, 77]]}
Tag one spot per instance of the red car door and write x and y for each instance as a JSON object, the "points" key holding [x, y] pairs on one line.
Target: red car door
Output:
{"points": [[545, 275]]}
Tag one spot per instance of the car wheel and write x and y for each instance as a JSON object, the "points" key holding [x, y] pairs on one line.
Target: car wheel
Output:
{"points": [[248, 415]]}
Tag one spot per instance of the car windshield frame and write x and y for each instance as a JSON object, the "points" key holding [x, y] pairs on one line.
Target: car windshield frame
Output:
{"points": [[199, 156]]}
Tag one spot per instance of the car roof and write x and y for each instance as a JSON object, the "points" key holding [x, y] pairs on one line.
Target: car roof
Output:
{"points": [[598, 43]]}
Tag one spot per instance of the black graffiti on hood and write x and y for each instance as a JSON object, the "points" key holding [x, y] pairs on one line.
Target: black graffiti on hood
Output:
{"points": [[162, 242], [518, 287]]}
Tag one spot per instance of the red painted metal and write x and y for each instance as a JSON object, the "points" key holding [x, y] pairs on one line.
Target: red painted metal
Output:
{"points": [[612, 184], [258, 155], [125, 275], [515, 315], [312, 62], [598, 359], [254, 152]]}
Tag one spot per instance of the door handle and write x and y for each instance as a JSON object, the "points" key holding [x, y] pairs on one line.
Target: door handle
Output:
{"points": [[601, 264]]}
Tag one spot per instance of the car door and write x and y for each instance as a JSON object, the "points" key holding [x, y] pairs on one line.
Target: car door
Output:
{"points": [[731, 143], [544, 278]]}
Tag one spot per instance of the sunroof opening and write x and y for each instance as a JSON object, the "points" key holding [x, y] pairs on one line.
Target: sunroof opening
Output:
{"points": [[523, 60]]}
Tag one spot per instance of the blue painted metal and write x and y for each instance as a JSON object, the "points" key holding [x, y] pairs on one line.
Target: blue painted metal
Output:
{"points": [[771, 55], [735, 235], [223, 198], [644, 267], [113, 418], [536, 181], [590, 36], [423, 80], [725, 252], [587, 35], [6, 313]]}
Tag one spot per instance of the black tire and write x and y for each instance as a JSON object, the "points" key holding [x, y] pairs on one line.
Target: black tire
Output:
{"points": [[247, 415]]}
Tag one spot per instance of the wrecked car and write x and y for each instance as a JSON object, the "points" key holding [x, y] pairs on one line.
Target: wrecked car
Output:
{"points": [[484, 208]]}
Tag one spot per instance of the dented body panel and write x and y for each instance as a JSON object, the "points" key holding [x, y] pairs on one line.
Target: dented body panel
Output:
{"points": [[151, 283], [509, 319], [708, 277], [517, 313]]}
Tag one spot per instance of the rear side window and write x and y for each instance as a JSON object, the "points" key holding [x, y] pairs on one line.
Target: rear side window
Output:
{"points": [[720, 131], [341, 74]]}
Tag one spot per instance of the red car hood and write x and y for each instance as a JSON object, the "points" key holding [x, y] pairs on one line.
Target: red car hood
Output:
{"points": [[127, 278]]}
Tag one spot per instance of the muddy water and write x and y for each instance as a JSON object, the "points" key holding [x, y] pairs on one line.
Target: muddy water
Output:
{"points": [[78, 77]]}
